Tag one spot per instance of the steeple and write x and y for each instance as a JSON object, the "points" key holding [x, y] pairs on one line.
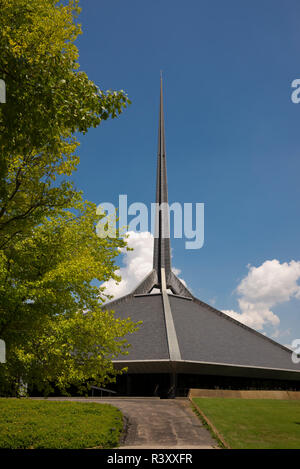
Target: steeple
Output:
{"points": [[162, 252], [161, 276]]}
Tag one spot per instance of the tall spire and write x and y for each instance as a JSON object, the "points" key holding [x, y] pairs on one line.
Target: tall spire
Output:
{"points": [[161, 276], [162, 253]]}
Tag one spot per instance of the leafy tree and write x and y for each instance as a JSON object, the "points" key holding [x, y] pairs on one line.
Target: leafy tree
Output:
{"points": [[48, 99], [51, 316], [50, 255]]}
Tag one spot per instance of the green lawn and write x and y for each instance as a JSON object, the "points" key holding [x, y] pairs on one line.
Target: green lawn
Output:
{"points": [[26, 423], [254, 423]]}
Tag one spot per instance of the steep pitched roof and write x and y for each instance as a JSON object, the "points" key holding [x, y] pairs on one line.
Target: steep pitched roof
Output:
{"points": [[206, 337]]}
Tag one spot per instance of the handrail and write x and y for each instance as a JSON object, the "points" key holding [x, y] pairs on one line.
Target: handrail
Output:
{"points": [[110, 391]]}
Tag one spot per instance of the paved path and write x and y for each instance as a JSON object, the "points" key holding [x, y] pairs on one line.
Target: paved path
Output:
{"points": [[159, 423]]}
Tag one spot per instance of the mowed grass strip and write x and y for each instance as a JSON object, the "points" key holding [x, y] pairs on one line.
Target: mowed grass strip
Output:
{"points": [[33, 424], [254, 423]]}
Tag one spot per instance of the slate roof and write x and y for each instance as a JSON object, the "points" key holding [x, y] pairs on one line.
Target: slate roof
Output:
{"points": [[205, 335]]}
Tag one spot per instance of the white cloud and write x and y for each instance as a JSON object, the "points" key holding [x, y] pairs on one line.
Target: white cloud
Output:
{"points": [[177, 272], [279, 334], [263, 288], [137, 264]]}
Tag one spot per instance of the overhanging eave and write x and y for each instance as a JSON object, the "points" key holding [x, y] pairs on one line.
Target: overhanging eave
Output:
{"points": [[205, 368]]}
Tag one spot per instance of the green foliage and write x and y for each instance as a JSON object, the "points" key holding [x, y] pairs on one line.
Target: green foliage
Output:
{"points": [[51, 316], [48, 99], [254, 423], [27, 424], [50, 255]]}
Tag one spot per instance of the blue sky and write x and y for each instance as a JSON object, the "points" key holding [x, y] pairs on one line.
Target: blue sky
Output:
{"points": [[232, 133]]}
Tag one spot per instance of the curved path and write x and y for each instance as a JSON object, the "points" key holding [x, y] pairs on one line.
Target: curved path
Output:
{"points": [[158, 423]]}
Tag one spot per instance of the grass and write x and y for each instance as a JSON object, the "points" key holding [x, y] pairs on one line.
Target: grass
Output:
{"points": [[208, 428], [33, 424], [254, 423]]}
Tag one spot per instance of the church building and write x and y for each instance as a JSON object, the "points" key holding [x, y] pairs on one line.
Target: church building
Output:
{"points": [[183, 342]]}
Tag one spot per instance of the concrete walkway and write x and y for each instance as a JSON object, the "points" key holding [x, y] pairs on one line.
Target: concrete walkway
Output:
{"points": [[158, 423]]}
